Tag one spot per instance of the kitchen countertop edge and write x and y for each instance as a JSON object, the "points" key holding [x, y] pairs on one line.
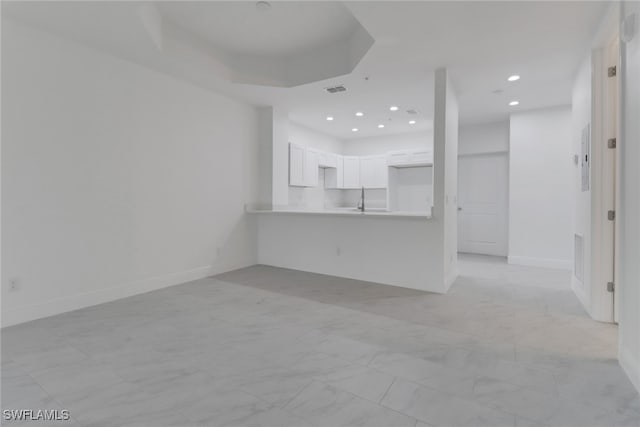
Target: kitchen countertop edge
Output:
{"points": [[353, 214]]}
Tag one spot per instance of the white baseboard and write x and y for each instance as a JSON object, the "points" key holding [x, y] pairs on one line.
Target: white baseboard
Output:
{"points": [[576, 287], [631, 367], [13, 316], [448, 281], [558, 264]]}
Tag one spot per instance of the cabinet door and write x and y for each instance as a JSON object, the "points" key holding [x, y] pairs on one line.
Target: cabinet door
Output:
{"points": [[373, 172], [380, 172], [328, 160], [425, 156], [296, 165], [398, 157], [367, 172], [312, 158], [351, 172]]}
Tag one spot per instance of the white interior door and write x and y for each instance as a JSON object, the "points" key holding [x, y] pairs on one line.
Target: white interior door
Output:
{"points": [[483, 204]]}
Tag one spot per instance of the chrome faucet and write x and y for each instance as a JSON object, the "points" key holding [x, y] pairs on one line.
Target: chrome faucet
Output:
{"points": [[361, 202]]}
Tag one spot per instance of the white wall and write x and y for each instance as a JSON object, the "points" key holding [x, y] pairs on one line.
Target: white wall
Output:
{"points": [[383, 144], [115, 179], [580, 118], [394, 251], [484, 138], [451, 185], [265, 158], [280, 157], [540, 188], [306, 137], [628, 220]]}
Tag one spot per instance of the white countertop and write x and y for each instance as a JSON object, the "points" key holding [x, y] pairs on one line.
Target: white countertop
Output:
{"points": [[349, 212]]}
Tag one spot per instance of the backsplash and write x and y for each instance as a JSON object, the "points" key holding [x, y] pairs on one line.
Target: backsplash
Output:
{"points": [[321, 198]]}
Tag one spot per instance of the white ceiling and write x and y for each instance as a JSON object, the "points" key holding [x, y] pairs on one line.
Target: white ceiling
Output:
{"points": [[286, 29], [311, 104], [480, 42]]}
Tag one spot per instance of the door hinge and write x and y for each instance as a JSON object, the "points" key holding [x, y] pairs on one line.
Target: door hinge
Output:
{"points": [[611, 287], [611, 143], [611, 215], [611, 71]]}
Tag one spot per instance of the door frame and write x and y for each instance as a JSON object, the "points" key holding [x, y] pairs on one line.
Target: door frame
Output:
{"points": [[604, 181]]}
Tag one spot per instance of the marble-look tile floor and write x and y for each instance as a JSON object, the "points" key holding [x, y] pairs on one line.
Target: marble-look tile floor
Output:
{"points": [[262, 346]]}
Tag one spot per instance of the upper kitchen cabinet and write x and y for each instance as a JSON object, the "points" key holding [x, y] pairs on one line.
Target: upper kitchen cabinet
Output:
{"points": [[328, 160], [351, 172], [404, 159], [296, 165], [303, 166], [373, 172], [311, 162]]}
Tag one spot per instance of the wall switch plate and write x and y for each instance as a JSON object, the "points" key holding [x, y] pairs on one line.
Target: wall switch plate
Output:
{"points": [[14, 285]]}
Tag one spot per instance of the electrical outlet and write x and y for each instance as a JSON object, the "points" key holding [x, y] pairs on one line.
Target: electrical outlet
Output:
{"points": [[338, 251], [218, 252], [14, 285]]}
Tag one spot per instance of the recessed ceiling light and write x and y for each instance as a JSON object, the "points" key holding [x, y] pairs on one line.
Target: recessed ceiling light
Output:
{"points": [[354, 130], [380, 125], [514, 78], [514, 103], [329, 118], [412, 122], [359, 114], [393, 108]]}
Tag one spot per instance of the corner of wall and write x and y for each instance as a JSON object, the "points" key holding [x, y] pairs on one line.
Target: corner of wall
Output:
{"points": [[630, 365]]}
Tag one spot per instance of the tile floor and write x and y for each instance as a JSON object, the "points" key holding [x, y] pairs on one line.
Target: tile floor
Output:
{"points": [[262, 346]]}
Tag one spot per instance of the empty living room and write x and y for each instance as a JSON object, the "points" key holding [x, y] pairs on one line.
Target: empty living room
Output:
{"points": [[320, 213]]}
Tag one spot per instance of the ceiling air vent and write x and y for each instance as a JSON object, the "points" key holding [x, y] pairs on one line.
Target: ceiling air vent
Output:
{"points": [[335, 89], [412, 111]]}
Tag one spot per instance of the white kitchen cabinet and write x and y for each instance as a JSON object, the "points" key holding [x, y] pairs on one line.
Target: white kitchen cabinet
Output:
{"points": [[351, 172], [303, 166], [397, 158], [296, 165], [328, 160], [333, 177], [410, 158], [422, 157], [373, 172], [311, 160]]}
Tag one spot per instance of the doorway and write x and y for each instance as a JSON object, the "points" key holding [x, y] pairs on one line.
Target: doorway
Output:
{"points": [[483, 192]]}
